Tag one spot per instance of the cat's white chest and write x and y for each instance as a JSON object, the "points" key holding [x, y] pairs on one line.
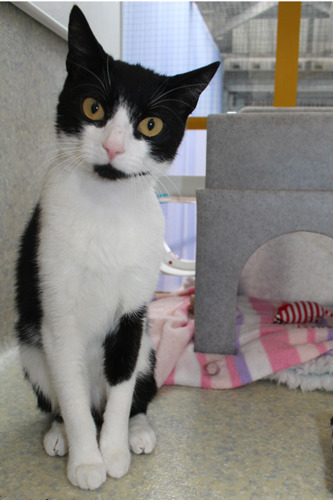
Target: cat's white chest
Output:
{"points": [[102, 246]]}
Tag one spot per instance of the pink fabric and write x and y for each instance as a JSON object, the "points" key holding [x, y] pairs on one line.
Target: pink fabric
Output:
{"points": [[264, 347]]}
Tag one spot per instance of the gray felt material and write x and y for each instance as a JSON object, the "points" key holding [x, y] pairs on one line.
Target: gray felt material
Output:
{"points": [[268, 174], [270, 151]]}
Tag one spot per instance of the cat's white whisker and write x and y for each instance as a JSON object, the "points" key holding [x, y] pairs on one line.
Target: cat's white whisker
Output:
{"points": [[170, 110], [189, 86], [178, 193], [108, 71], [157, 92], [103, 87], [169, 99], [92, 85]]}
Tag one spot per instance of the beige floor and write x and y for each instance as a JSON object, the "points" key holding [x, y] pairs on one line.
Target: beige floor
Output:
{"points": [[260, 441]]}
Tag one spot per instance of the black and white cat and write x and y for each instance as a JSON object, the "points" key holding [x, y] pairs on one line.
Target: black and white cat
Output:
{"points": [[90, 256]]}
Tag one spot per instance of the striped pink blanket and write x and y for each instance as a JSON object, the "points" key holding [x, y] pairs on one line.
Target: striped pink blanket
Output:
{"points": [[263, 348]]}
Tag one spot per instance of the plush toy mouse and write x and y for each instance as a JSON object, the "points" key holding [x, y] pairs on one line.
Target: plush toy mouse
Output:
{"points": [[302, 312]]}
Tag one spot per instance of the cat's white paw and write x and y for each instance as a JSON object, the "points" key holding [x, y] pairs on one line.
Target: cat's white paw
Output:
{"points": [[117, 462], [55, 440], [86, 476], [142, 438]]}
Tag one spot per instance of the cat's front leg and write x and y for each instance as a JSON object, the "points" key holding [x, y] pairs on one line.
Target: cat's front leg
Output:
{"points": [[121, 356], [114, 434], [65, 358]]}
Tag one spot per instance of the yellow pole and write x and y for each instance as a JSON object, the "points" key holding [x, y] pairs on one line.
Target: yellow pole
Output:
{"points": [[196, 123], [287, 46]]}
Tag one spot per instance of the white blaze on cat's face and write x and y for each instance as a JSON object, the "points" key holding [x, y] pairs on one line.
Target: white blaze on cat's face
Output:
{"points": [[116, 144]]}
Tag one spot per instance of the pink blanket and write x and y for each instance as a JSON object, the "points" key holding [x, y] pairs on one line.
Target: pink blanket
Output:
{"points": [[263, 348]]}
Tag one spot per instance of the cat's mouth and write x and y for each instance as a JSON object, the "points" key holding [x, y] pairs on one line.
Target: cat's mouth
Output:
{"points": [[108, 171]]}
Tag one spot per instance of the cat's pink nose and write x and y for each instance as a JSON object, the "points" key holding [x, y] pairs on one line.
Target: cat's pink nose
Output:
{"points": [[113, 151], [114, 143]]}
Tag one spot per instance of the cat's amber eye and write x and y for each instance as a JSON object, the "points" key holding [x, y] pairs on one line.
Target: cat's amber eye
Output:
{"points": [[150, 126], [93, 109]]}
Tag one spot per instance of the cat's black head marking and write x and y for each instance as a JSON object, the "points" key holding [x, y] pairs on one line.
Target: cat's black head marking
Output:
{"points": [[95, 77]]}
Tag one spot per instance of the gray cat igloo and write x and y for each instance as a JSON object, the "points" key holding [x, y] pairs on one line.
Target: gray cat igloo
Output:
{"points": [[268, 174]]}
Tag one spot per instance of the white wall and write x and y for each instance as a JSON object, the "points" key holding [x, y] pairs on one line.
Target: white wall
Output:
{"points": [[104, 19]]}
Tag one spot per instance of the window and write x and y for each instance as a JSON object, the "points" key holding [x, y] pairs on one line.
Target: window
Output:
{"points": [[171, 38], [315, 68], [174, 37]]}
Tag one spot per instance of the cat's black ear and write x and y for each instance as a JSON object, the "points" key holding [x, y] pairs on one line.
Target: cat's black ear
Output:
{"points": [[83, 48], [189, 86]]}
